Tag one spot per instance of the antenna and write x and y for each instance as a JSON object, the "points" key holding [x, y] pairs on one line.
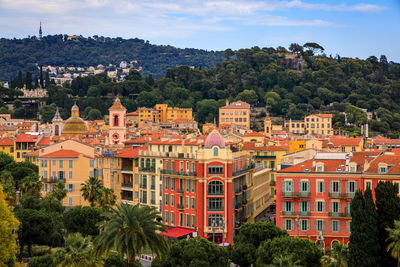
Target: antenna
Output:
{"points": [[40, 31]]}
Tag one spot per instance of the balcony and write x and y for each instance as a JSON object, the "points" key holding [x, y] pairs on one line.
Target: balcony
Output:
{"points": [[339, 214], [244, 202], [287, 213], [179, 190], [147, 169], [127, 184], [53, 179], [238, 191], [180, 207], [178, 173], [304, 213], [127, 168], [295, 194], [341, 195], [265, 156]]}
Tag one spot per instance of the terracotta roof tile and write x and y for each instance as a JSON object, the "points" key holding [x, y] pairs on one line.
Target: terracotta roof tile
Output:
{"points": [[129, 152], [6, 142], [237, 105], [63, 153], [255, 134], [331, 165], [25, 138], [44, 141]]}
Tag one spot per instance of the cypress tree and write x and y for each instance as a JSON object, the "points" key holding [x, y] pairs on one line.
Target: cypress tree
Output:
{"points": [[388, 210], [28, 80], [20, 80], [363, 246], [36, 82], [41, 77], [47, 82]]}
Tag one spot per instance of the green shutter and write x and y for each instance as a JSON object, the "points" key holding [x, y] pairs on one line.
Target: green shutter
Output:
{"points": [[308, 206], [323, 187], [315, 206], [330, 206], [284, 186], [323, 207], [284, 206], [315, 225], [330, 226], [339, 226], [340, 187], [330, 187], [300, 186], [308, 186], [339, 207], [323, 226], [347, 187], [355, 186]]}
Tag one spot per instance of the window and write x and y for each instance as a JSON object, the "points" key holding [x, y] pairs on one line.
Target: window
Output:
{"points": [[215, 218], [166, 218], [181, 219], [319, 225], [193, 186], [166, 199], [70, 164], [186, 202], [70, 174], [351, 187], [153, 198], [288, 206], [70, 201], [172, 215], [320, 206], [288, 186], [91, 163], [335, 207], [335, 187], [304, 186], [153, 182], [192, 203], [304, 206], [144, 181], [335, 226], [71, 188], [172, 180], [193, 221], [288, 225], [348, 226], [215, 169], [61, 175], [320, 187], [54, 174], [215, 188], [215, 204], [215, 150], [368, 184], [187, 186], [305, 225], [61, 164], [144, 197], [172, 202], [382, 170], [54, 162]]}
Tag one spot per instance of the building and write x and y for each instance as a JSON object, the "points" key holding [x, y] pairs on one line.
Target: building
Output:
{"points": [[236, 113], [74, 126], [117, 130], [312, 124], [163, 113]]}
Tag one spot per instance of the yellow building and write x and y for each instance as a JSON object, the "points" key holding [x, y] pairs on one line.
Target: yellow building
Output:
{"points": [[312, 124], [24, 143], [236, 113], [163, 113], [296, 145], [7, 146]]}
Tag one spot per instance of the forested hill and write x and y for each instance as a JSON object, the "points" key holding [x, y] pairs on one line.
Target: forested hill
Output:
{"points": [[56, 50]]}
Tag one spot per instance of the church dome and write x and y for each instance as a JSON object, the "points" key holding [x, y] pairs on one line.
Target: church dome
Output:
{"points": [[214, 139], [74, 126]]}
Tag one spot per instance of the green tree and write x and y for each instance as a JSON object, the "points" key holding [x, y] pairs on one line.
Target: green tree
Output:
{"points": [[94, 114], [47, 260], [31, 185], [303, 251], [193, 252], [59, 192], [128, 229], [146, 99], [92, 190], [248, 96], [115, 260], [394, 239], [82, 220], [388, 207], [338, 256], [107, 198], [8, 223], [207, 110], [77, 252], [364, 243], [4, 110], [47, 113], [28, 80], [249, 238]]}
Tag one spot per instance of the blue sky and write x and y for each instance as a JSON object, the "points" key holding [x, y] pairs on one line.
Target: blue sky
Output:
{"points": [[348, 28]]}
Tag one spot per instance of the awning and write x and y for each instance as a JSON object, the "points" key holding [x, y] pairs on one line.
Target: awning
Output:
{"points": [[177, 232]]}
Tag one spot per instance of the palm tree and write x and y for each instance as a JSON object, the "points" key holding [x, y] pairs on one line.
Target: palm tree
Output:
{"points": [[91, 190], [284, 261], [394, 237], [77, 252], [59, 192], [128, 229], [107, 198], [31, 185], [338, 256]]}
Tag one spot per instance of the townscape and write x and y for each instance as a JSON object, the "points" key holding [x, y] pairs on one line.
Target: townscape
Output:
{"points": [[119, 152]]}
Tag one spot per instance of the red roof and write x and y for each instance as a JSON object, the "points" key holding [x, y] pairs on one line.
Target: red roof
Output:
{"points": [[324, 115], [255, 134], [44, 141], [130, 152], [64, 153], [393, 162], [33, 153], [6, 142], [177, 232], [330, 165], [25, 138], [237, 105], [386, 141], [336, 142], [135, 113]]}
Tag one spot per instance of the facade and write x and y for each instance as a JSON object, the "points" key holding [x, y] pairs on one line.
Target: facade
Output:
{"points": [[236, 113], [163, 113], [117, 130], [312, 124], [314, 196]]}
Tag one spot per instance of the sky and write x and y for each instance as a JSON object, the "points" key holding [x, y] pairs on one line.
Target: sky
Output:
{"points": [[348, 28]]}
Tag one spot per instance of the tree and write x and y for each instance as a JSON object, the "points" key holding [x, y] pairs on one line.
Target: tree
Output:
{"points": [[248, 96], [249, 238], [394, 239], [28, 80], [228, 53], [8, 224], [92, 190], [20, 80], [364, 243], [194, 252], [146, 99], [107, 198], [47, 112], [338, 256], [77, 252], [47, 260], [4, 110], [31, 185], [128, 229], [303, 251], [59, 192], [134, 75], [388, 210], [207, 110], [94, 114], [82, 220]]}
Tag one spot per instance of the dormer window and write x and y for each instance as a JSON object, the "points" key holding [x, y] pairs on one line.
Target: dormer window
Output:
{"points": [[382, 170]]}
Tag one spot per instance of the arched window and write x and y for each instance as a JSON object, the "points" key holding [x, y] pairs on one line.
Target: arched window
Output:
{"points": [[216, 218], [153, 163], [57, 130], [169, 148], [116, 120], [215, 188], [147, 163], [215, 151]]}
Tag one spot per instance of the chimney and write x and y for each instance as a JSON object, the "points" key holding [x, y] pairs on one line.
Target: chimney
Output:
{"points": [[366, 165], [227, 102]]}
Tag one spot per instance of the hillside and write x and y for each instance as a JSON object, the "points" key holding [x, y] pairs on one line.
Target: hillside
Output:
{"points": [[24, 54]]}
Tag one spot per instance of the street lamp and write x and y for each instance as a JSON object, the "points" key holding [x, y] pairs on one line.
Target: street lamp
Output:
{"points": [[213, 225], [297, 224], [320, 241]]}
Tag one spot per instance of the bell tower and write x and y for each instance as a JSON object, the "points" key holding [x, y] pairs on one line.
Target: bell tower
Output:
{"points": [[117, 123], [267, 126]]}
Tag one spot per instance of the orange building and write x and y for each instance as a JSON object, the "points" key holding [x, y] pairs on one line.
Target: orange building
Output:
{"points": [[163, 113], [236, 113]]}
